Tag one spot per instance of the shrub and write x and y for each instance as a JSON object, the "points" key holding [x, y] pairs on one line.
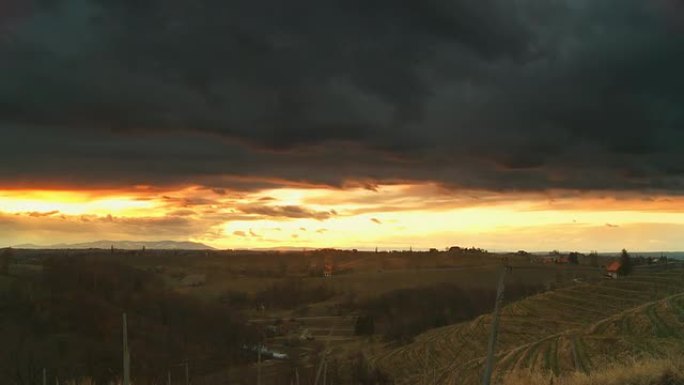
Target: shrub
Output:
{"points": [[292, 293], [402, 314], [69, 320]]}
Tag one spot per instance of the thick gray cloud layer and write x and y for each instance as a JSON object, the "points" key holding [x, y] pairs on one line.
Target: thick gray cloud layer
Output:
{"points": [[493, 94]]}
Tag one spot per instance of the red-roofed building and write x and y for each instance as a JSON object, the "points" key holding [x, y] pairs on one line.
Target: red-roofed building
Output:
{"points": [[563, 260], [613, 269]]}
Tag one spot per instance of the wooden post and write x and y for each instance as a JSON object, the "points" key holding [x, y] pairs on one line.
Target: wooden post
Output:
{"points": [[259, 364], [324, 355], [487, 377], [44, 376], [325, 372], [168, 378], [126, 354], [297, 375], [187, 373]]}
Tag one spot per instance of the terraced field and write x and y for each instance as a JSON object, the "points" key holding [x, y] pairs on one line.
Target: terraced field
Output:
{"points": [[576, 328]]}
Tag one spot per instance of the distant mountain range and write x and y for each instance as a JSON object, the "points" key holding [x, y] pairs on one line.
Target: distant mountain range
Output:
{"points": [[128, 245]]}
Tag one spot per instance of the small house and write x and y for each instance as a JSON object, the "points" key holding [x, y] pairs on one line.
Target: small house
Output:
{"points": [[547, 260], [328, 269], [613, 269]]}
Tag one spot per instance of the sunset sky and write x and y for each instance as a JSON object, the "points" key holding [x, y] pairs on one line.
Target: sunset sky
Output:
{"points": [[500, 124]]}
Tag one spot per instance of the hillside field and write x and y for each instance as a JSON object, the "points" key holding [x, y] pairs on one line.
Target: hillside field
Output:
{"points": [[584, 327]]}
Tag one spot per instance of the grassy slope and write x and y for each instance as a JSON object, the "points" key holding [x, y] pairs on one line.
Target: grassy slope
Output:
{"points": [[639, 372], [580, 328]]}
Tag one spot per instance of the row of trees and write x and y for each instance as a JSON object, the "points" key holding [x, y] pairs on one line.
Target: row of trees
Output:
{"points": [[574, 257]]}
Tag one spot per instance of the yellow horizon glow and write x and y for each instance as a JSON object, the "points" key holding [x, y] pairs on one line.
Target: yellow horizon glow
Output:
{"points": [[73, 203], [392, 216]]}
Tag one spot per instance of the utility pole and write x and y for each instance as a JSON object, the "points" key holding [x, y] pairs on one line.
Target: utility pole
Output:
{"points": [[487, 377], [126, 354]]}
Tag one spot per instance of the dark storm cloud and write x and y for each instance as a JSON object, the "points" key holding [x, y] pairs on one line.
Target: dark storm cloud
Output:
{"points": [[43, 214], [492, 94], [285, 212], [14, 224]]}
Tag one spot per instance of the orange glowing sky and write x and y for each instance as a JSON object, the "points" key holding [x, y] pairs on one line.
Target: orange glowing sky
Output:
{"points": [[389, 216], [545, 125]]}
